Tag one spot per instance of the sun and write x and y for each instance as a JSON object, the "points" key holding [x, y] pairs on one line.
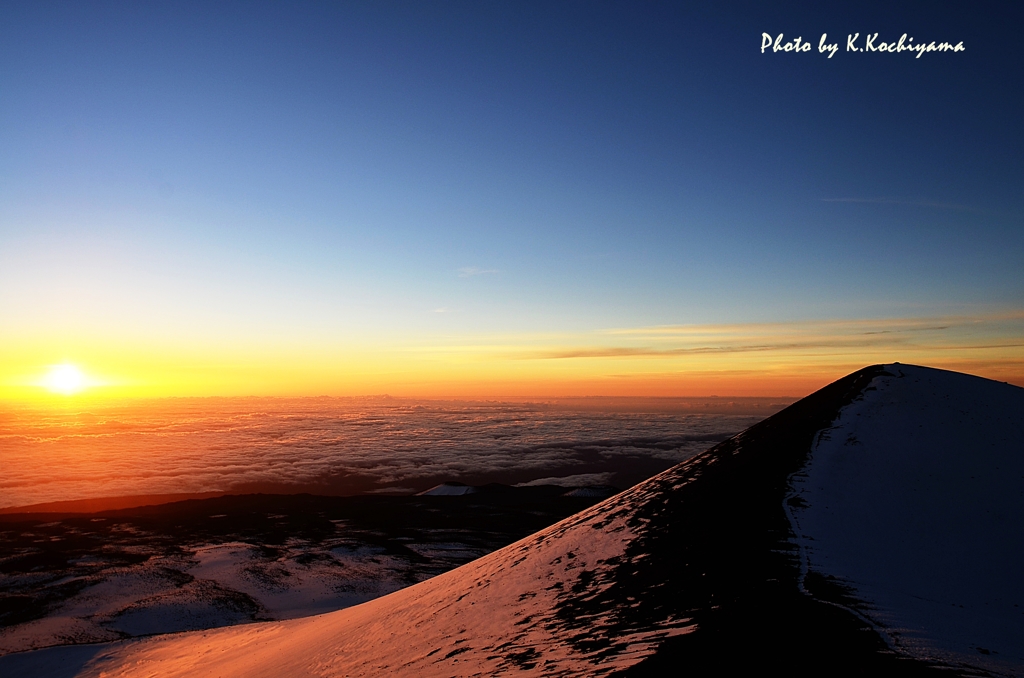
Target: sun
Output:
{"points": [[64, 379]]}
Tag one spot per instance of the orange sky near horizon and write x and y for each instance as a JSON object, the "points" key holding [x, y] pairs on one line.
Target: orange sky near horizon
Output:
{"points": [[767, 359]]}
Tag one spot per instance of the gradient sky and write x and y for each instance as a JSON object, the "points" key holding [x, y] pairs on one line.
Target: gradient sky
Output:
{"points": [[504, 198]]}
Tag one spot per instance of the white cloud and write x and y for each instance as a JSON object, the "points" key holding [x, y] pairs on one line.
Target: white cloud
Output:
{"points": [[343, 445], [470, 271]]}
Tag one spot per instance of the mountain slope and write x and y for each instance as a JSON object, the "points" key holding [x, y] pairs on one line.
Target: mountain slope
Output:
{"points": [[913, 500], [696, 569]]}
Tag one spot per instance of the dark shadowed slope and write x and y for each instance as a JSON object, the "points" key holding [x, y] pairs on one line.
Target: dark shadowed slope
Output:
{"points": [[696, 570]]}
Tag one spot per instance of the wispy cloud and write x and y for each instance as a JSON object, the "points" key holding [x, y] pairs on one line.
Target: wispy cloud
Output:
{"points": [[626, 352], [905, 201], [470, 271], [844, 326], [838, 337]]}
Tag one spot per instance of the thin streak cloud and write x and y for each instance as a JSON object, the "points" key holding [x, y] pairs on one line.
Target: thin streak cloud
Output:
{"points": [[471, 271], [862, 325], [852, 337], [902, 201]]}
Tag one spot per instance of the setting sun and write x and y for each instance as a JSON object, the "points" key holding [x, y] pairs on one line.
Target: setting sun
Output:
{"points": [[65, 379]]}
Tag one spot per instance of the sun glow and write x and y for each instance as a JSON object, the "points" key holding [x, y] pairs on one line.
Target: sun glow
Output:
{"points": [[64, 379]]}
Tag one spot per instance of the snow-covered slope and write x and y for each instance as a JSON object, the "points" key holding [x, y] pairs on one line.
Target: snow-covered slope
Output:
{"points": [[914, 500], [449, 489], [499, 613], [696, 570]]}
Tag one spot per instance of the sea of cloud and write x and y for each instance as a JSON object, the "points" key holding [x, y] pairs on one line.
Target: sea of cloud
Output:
{"points": [[349, 445]]}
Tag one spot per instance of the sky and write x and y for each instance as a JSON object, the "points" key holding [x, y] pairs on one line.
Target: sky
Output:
{"points": [[504, 198]]}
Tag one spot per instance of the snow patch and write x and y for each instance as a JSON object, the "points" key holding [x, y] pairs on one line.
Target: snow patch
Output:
{"points": [[912, 502], [578, 480], [448, 490]]}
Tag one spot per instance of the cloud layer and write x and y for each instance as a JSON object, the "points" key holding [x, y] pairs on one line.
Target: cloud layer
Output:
{"points": [[342, 446]]}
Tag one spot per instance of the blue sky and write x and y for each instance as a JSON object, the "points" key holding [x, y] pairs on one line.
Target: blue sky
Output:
{"points": [[370, 170]]}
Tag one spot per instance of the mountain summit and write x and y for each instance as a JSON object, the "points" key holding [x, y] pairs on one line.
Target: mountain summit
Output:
{"points": [[873, 526]]}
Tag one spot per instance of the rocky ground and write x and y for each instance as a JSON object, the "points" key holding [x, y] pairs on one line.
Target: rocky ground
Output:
{"points": [[84, 578]]}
